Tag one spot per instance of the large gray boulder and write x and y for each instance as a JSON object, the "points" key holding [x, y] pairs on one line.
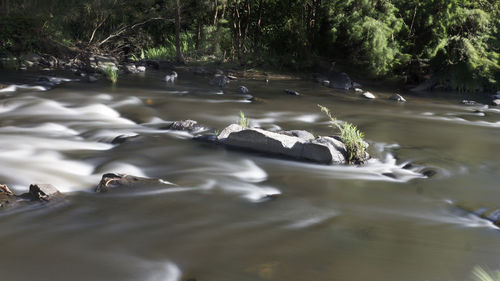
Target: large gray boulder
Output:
{"points": [[324, 150]]}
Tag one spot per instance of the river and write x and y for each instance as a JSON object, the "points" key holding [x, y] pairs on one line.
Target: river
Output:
{"points": [[327, 223]]}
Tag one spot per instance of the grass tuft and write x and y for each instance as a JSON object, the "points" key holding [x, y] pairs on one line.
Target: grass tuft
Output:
{"points": [[482, 275], [111, 74], [243, 121], [351, 136]]}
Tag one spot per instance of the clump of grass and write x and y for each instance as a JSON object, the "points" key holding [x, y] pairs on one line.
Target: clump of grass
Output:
{"points": [[243, 121], [482, 275], [111, 74], [350, 135], [160, 52]]}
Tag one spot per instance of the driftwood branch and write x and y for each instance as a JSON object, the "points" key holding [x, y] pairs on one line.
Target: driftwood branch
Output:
{"points": [[127, 28], [96, 28]]}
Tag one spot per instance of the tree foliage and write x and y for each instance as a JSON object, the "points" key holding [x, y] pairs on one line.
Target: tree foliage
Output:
{"points": [[455, 40]]}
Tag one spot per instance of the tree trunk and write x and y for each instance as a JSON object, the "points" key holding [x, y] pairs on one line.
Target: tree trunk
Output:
{"points": [[198, 36], [180, 57], [258, 30], [216, 8]]}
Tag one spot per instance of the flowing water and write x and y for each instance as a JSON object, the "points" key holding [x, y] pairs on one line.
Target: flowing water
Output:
{"points": [[376, 222]]}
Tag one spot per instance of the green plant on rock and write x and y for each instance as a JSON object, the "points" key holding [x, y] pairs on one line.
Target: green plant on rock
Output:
{"points": [[350, 135], [111, 74], [243, 121], [482, 275]]}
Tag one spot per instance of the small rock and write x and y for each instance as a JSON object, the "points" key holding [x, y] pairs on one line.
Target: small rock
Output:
{"points": [[111, 181], [468, 102], [325, 83], [292, 93], [92, 79], [185, 125], [43, 192], [141, 68], [232, 77], [429, 172], [242, 90], [398, 98], [358, 90], [368, 95], [5, 189], [131, 68], [171, 77], [495, 102], [219, 80]]}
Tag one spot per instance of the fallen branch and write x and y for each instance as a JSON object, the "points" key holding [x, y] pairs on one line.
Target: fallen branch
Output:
{"points": [[127, 28]]}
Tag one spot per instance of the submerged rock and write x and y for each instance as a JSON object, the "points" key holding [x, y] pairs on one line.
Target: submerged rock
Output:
{"points": [[219, 80], [495, 102], [242, 90], [468, 102], [38, 193], [398, 98], [292, 92], [491, 214], [291, 144], [111, 181]]}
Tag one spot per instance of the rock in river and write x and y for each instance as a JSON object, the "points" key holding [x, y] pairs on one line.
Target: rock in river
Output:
{"points": [[340, 81], [292, 92], [491, 214], [323, 150], [368, 95], [242, 90], [111, 181], [38, 193], [219, 80], [398, 98]]}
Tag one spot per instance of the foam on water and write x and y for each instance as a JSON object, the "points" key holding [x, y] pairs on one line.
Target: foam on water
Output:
{"points": [[15, 88], [239, 177], [373, 170], [311, 221], [22, 167]]}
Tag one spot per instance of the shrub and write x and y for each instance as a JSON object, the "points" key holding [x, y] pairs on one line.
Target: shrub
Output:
{"points": [[350, 135]]}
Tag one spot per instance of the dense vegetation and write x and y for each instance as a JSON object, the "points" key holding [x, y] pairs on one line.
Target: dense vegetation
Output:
{"points": [[457, 41]]}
